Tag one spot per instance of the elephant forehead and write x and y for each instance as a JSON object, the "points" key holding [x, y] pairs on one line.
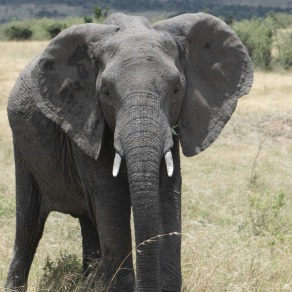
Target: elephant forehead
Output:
{"points": [[141, 70], [150, 40], [152, 43]]}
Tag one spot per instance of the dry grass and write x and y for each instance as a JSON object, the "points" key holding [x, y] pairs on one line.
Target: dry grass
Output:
{"points": [[237, 195]]}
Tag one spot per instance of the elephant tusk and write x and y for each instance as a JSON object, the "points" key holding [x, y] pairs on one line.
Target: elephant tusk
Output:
{"points": [[117, 164], [169, 163]]}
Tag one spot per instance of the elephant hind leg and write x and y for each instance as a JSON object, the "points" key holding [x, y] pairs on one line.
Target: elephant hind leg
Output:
{"points": [[31, 215]]}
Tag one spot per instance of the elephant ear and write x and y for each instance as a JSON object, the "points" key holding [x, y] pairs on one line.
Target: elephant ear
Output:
{"points": [[65, 74], [218, 71]]}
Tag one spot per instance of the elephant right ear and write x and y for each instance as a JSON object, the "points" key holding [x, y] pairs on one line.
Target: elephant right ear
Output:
{"points": [[65, 75]]}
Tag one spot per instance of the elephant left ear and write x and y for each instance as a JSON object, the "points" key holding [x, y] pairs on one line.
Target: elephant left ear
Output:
{"points": [[218, 71]]}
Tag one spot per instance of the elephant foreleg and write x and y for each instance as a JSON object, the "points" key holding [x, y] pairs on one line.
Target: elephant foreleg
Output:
{"points": [[170, 227], [90, 245], [110, 201], [30, 219]]}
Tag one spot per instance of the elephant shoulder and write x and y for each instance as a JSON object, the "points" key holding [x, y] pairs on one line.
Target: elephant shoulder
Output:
{"points": [[21, 98]]}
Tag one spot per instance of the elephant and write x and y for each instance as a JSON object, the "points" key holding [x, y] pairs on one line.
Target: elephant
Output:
{"points": [[98, 121]]}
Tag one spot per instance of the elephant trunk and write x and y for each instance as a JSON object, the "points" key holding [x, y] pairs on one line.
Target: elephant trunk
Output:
{"points": [[143, 173], [144, 138]]}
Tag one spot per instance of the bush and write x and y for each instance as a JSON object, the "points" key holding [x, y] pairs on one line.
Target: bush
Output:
{"points": [[18, 33], [65, 274], [88, 19], [257, 36], [97, 12], [284, 47], [61, 275], [55, 28]]}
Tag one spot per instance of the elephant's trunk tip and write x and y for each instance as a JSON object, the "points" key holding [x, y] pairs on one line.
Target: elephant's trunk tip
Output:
{"points": [[117, 164], [169, 163]]}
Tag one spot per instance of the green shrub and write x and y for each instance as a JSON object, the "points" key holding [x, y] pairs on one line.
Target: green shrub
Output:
{"points": [[282, 20], [18, 33], [100, 14], [55, 28], [257, 35], [97, 12], [63, 274], [284, 48], [88, 19]]}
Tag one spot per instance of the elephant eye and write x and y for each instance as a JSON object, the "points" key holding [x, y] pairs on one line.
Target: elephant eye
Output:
{"points": [[105, 91], [176, 90], [177, 86], [106, 97]]}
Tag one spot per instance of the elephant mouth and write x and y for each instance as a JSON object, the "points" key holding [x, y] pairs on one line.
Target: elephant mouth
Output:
{"points": [[168, 162], [144, 131]]}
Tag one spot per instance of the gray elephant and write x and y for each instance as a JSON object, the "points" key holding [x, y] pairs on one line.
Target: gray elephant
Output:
{"points": [[97, 120]]}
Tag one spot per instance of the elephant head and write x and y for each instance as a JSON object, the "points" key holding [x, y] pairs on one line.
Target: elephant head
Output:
{"points": [[142, 81]]}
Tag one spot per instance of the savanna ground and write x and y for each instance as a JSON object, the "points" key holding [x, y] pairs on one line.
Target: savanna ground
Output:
{"points": [[237, 195]]}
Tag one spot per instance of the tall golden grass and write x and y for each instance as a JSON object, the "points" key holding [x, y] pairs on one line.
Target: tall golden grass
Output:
{"points": [[237, 194]]}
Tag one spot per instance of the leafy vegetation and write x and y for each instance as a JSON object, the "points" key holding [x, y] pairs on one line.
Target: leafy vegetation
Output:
{"points": [[88, 19], [62, 274], [257, 36], [263, 36], [18, 33], [55, 28], [99, 12], [43, 28], [268, 40], [57, 8], [284, 49]]}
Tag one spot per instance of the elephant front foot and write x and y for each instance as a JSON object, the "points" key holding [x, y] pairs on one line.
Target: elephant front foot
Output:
{"points": [[15, 284]]}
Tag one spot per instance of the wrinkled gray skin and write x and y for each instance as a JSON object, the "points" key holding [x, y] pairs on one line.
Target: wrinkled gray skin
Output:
{"points": [[120, 87]]}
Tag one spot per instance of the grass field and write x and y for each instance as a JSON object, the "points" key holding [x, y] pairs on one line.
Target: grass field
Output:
{"points": [[237, 195]]}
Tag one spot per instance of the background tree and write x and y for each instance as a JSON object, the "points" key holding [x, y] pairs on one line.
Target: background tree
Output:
{"points": [[257, 35], [97, 12]]}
